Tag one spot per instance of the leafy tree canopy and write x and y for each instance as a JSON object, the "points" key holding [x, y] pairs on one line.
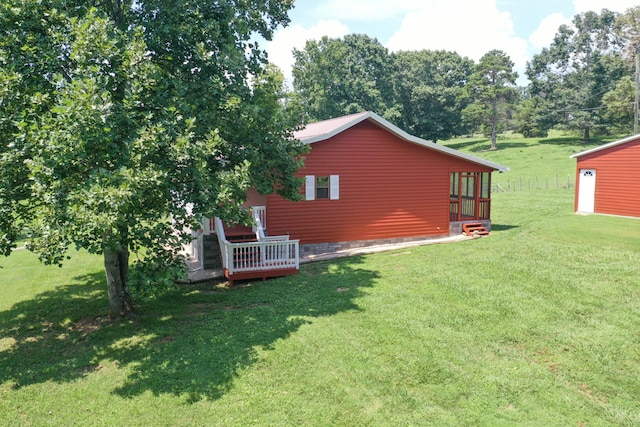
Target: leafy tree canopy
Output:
{"points": [[117, 116], [581, 65], [492, 89], [429, 90], [335, 77]]}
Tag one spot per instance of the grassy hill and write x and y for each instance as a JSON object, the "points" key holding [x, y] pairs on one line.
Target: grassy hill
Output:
{"points": [[535, 325], [530, 158]]}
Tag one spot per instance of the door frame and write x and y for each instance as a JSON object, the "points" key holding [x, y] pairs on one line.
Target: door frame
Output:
{"points": [[587, 191]]}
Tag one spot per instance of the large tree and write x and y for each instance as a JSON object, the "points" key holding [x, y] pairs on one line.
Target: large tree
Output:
{"points": [[627, 27], [429, 92], [573, 74], [491, 89], [619, 103], [334, 77], [116, 116]]}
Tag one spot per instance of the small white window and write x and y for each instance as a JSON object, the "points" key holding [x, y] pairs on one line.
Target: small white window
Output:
{"points": [[322, 187]]}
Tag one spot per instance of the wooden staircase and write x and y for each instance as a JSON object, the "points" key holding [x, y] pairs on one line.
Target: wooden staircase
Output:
{"points": [[474, 229]]}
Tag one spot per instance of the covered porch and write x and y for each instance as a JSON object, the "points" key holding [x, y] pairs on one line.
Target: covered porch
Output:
{"points": [[469, 200]]}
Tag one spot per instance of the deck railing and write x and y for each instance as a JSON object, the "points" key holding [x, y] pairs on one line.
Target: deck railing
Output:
{"points": [[260, 256], [257, 256], [470, 208], [260, 212], [209, 226]]}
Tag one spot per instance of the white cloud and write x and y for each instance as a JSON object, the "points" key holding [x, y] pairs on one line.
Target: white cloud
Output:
{"points": [[543, 35], [469, 27], [280, 49], [597, 5]]}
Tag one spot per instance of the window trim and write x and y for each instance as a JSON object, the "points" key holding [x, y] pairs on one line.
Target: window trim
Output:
{"points": [[311, 188]]}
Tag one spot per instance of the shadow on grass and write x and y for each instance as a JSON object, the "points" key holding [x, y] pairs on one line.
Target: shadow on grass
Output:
{"points": [[578, 141], [502, 227], [192, 343], [484, 145], [469, 143]]}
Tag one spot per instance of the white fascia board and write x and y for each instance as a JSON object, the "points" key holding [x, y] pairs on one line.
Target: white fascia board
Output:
{"points": [[605, 146]]}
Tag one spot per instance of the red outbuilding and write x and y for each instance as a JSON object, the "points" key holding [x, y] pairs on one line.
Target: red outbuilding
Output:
{"points": [[607, 180], [366, 182]]}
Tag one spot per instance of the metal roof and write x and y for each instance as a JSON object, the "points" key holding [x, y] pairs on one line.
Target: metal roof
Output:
{"points": [[320, 131], [605, 146]]}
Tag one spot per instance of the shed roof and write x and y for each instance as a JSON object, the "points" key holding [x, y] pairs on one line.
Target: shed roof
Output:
{"points": [[606, 146], [320, 131]]}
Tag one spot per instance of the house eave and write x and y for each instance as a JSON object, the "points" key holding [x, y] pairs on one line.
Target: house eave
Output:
{"points": [[369, 115], [606, 146]]}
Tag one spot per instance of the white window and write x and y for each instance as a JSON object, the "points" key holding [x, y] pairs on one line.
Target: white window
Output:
{"points": [[322, 187]]}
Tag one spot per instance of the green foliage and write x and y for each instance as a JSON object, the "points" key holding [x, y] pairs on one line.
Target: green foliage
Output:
{"points": [[491, 88], [149, 277], [336, 77], [619, 105], [430, 92], [529, 120], [116, 117], [574, 73]]}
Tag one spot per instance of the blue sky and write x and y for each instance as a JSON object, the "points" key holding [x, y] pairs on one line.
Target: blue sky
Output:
{"points": [[521, 28]]}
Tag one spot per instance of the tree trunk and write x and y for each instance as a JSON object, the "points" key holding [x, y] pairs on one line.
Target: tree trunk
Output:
{"points": [[494, 124], [587, 135], [116, 266]]}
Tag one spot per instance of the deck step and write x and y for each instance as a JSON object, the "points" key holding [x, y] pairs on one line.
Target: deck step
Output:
{"points": [[474, 229]]}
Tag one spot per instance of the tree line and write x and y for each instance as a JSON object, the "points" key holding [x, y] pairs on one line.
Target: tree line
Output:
{"points": [[583, 81]]}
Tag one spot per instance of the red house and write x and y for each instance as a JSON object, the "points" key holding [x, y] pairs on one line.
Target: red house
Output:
{"points": [[606, 180], [369, 182]]}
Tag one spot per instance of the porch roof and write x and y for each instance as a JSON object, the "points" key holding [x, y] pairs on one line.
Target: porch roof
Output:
{"points": [[320, 131]]}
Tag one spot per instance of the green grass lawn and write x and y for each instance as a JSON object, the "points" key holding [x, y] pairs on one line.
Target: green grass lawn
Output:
{"points": [[537, 324]]}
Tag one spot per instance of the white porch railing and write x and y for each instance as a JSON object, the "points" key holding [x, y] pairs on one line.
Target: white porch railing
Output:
{"points": [[208, 224], [260, 212], [273, 253]]}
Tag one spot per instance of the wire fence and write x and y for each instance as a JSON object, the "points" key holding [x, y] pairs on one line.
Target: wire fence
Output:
{"points": [[555, 182]]}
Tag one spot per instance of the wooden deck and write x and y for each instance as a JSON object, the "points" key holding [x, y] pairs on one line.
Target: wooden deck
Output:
{"points": [[259, 257], [262, 274]]}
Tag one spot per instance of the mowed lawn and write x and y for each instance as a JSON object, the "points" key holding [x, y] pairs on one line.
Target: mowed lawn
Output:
{"points": [[537, 324]]}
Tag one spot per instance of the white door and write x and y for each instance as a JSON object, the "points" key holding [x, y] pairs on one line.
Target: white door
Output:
{"points": [[587, 192]]}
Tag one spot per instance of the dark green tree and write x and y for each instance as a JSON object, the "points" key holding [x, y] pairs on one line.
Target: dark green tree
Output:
{"points": [[529, 118], [429, 91], [492, 92], [619, 103], [573, 74], [627, 27], [334, 77], [115, 116]]}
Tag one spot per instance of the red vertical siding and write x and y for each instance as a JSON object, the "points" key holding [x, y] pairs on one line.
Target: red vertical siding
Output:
{"points": [[388, 188], [617, 181]]}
